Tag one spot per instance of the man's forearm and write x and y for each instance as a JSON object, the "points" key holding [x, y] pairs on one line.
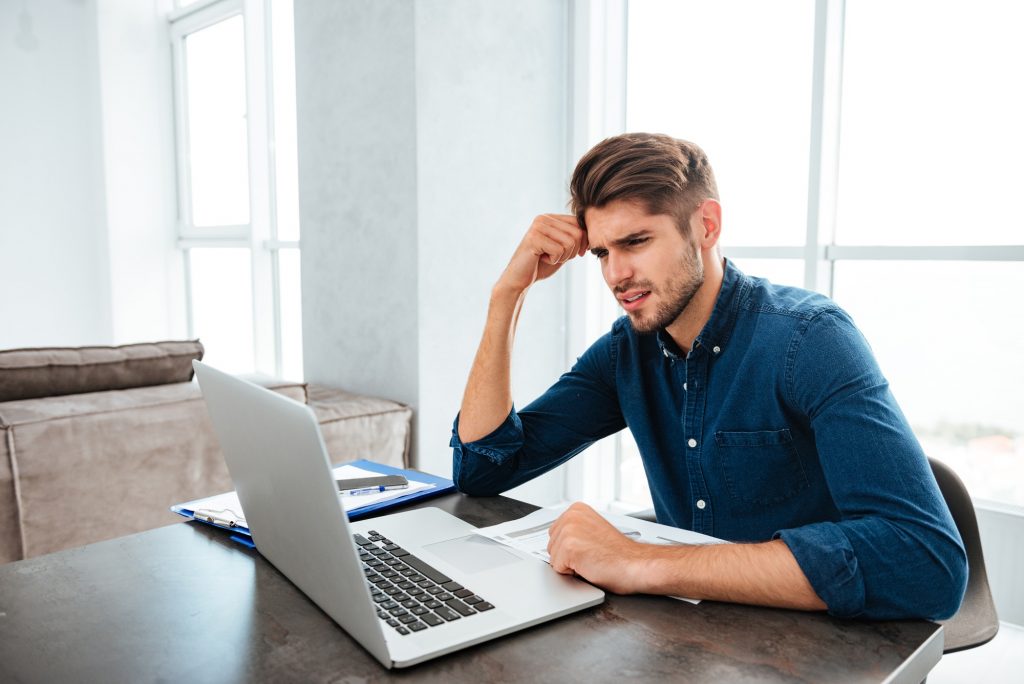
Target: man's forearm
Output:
{"points": [[764, 574], [488, 396]]}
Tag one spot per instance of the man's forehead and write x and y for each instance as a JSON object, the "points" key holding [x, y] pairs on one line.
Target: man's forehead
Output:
{"points": [[616, 222]]}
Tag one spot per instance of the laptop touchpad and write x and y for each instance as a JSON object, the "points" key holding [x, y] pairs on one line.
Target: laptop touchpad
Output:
{"points": [[473, 553]]}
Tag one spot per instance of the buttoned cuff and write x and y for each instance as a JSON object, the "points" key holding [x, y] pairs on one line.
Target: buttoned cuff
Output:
{"points": [[498, 446], [828, 561]]}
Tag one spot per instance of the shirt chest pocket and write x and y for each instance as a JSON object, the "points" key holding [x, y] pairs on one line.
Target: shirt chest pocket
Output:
{"points": [[761, 467]]}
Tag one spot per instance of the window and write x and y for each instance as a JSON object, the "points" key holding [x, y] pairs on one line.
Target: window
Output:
{"points": [[237, 181], [868, 151]]}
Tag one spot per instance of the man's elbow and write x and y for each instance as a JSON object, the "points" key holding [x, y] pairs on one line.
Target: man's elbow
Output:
{"points": [[472, 482], [474, 486], [940, 588], [949, 588]]}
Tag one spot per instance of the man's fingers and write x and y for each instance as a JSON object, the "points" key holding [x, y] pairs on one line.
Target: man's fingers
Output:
{"points": [[569, 243], [565, 229], [548, 248]]}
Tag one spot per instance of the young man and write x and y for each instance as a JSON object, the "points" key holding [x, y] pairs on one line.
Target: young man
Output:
{"points": [[759, 410]]}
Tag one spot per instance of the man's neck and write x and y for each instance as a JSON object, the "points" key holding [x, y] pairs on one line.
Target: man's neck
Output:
{"points": [[691, 321]]}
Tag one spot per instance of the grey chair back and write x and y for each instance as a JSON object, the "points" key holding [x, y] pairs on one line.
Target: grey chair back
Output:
{"points": [[976, 622]]}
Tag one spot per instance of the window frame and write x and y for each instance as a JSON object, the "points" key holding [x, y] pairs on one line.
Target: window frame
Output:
{"points": [[600, 110], [260, 235]]}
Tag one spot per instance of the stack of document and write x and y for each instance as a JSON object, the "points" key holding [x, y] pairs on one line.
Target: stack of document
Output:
{"points": [[224, 510], [530, 533]]}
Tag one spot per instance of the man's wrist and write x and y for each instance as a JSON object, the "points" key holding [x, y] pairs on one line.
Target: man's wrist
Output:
{"points": [[502, 293]]}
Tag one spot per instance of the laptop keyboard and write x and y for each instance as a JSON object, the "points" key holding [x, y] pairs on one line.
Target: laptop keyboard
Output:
{"points": [[410, 594]]}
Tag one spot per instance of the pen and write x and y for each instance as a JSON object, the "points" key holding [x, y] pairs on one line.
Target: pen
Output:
{"points": [[212, 517], [370, 490]]}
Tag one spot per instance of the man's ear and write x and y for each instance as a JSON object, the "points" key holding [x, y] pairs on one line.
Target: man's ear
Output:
{"points": [[710, 223]]}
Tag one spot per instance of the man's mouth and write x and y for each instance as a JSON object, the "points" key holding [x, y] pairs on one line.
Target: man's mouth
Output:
{"points": [[634, 299]]}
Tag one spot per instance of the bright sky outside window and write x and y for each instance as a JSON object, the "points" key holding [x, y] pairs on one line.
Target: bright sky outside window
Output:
{"points": [[217, 131], [735, 78]]}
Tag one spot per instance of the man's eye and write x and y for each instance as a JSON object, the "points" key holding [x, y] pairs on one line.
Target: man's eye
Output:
{"points": [[601, 253], [637, 241]]}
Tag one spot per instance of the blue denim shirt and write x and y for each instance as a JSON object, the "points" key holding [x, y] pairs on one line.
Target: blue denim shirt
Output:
{"points": [[777, 424]]}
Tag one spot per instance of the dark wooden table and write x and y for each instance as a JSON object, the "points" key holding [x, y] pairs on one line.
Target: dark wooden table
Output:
{"points": [[185, 604]]}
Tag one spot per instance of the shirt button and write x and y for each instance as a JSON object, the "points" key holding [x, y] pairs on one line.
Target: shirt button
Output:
{"points": [[665, 352], [684, 386], [716, 349], [700, 504], [692, 442]]}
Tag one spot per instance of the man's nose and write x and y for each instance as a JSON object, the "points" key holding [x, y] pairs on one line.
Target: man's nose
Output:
{"points": [[617, 269]]}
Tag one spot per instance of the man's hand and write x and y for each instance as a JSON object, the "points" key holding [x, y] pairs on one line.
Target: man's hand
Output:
{"points": [[552, 240], [583, 542], [764, 574]]}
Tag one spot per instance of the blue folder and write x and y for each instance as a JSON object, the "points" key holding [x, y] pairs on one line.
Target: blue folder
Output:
{"points": [[441, 486]]}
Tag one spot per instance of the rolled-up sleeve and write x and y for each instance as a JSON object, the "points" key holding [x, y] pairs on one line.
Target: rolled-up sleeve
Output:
{"points": [[579, 409], [895, 552]]}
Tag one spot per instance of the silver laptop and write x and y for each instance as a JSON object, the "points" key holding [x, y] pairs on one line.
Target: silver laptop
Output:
{"points": [[408, 586]]}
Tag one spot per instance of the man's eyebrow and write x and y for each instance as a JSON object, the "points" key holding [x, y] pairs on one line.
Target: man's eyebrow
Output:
{"points": [[625, 239]]}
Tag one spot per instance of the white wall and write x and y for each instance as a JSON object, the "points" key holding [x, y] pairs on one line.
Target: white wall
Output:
{"points": [[491, 112], [146, 273], [53, 244], [1002, 529], [86, 175], [430, 134]]}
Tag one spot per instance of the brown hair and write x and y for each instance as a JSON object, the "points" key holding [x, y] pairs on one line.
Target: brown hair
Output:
{"points": [[666, 175]]}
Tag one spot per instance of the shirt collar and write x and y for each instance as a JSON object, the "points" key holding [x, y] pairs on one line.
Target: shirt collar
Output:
{"points": [[715, 334]]}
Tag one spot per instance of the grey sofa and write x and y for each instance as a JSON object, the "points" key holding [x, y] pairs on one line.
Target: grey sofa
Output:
{"points": [[98, 442]]}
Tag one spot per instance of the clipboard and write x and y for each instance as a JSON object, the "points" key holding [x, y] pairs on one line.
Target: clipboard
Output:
{"points": [[194, 510]]}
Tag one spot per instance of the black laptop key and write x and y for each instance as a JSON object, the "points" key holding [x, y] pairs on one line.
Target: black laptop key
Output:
{"points": [[482, 606], [460, 607], [431, 619], [407, 618], [452, 586], [444, 597], [463, 593], [362, 541], [417, 626], [418, 610], [410, 603], [388, 605], [434, 589], [400, 552], [433, 603], [391, 546], [378, 597], [401, 630], [426, 570], [447, 613], [382, 615], [471, 599]]}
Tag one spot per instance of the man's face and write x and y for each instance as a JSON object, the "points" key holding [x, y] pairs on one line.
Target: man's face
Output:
{"points": [[650, 267]]}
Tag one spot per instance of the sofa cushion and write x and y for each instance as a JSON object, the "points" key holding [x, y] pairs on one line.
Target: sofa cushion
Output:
{"points": [[63, 459], [48, 372]]}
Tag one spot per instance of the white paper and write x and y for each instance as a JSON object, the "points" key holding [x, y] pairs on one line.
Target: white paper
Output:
{"points": [[530, 533], [227, 507]]}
